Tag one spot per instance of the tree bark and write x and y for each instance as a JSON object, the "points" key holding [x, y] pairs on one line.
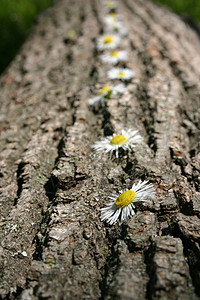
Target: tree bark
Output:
{"points": [[53, 244]]}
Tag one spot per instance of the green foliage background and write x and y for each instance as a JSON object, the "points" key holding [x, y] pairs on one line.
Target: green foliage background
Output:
{"points": [[185, 7], [17, 16]]}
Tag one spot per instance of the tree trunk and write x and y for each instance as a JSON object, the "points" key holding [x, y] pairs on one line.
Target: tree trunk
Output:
{"points": [[53, 244]]}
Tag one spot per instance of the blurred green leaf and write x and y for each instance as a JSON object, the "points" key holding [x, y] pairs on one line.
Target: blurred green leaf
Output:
{"points": [[71, 33], [16, 18], [185, 7]]}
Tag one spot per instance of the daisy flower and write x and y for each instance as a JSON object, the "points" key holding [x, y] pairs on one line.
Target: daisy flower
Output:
{"points": [[109, 90], [123, 205], [117, 28], [114, 57], [110, 4], [105, 93], [108, 41], [114, 24], [124, 140], [111, 18], [121, 73]]}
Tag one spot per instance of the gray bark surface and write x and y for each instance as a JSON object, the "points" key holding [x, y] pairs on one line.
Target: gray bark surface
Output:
{"points": [[52, 184]]}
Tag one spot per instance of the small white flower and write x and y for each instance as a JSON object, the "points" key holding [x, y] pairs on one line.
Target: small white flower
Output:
{"points": [[123, 205], [121, 73], [106, 92], [114, 25], [124, 140], [114, 57], [110, 5], [117, 28], [108, 41], [109, 90], [111, 19]]}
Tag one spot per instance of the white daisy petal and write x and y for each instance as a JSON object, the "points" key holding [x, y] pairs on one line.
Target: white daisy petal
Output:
{"points": [[113, 198], [125, 213], [115, 216], [96, 101], [107, 215], [123, 205], [132, 212], [112, 18], [119, 89], [106, 208], [124, 140], [117, 153], [143, 190], [121, 73], [110, 210]]}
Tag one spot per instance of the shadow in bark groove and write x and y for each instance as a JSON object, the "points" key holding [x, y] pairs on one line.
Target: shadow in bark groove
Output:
{"points": [[82, 19], [192, 254], [149, 121], [20, 181], [144, 99], [42, 241], [151, 270], [94, 75], [95, 12], [51, 187], [106, 123], [15, 295], [111, 267]]}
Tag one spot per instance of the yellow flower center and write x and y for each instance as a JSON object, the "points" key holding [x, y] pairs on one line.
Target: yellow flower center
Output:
{"points": [[118, 139], [125, 199], [108, 39], [104, 89], [114, 53], [121, 74]]}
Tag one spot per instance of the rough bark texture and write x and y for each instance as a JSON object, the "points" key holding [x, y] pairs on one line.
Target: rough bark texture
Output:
{"points": [[53, 244]]}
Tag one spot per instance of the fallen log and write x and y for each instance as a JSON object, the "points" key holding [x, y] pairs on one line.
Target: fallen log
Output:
{"points": [[53, 243]]}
